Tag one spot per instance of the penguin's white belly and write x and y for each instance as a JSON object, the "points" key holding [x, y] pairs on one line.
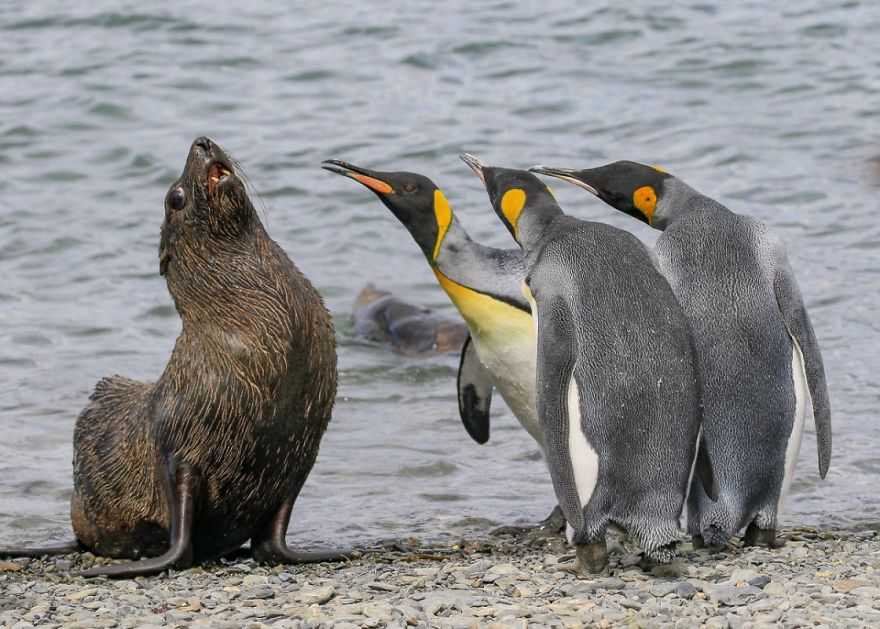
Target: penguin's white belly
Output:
{"points": [[504, 338], [584, 458], [510, 361], [792, 449]]}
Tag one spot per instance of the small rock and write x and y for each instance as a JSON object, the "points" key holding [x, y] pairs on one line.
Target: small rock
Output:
{"points": [[381, 587], [774, 589], [742, 576], [8, 566], [849, 585], [380, 609], [497, 571], [309, 595], [254, 579], [261, 593], [669, 570], [661, 589], [631, 603], [685, 590], [733, 596], [78, 596], [610, 584]]}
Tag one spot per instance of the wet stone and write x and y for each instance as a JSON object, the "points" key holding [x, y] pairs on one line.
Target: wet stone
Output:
{"points": [[685, 590]]}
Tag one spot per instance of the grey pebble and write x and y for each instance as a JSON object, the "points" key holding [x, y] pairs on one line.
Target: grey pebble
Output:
{"points": [[733, 595], [262, 593], [685, 590], [610, 584], [662, 588], [494, 585]]}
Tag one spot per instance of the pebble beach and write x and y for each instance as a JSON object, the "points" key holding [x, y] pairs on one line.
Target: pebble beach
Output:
{"points": [[818, 578]]}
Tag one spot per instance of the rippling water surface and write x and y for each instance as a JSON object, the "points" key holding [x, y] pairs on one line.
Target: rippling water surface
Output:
{"points": [[773, 111]]}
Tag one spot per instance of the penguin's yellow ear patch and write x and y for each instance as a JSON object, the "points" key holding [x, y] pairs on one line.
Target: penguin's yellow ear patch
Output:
{"points": [[659, 170], [512, 204], [645, 200], [443, 213]]}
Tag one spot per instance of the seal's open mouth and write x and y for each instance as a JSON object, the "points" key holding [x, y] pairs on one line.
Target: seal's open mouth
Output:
{"points": [[216, 173]]}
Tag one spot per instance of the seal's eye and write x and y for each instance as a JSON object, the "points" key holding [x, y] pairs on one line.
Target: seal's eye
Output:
{"points": [[410, 188], [176, 199]]}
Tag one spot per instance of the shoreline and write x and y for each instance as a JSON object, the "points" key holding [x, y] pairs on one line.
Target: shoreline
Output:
{"points": [[825, 577]]}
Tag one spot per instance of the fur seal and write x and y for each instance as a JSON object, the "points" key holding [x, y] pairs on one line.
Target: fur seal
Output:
{"points": [[380, 316], [215, 452]]}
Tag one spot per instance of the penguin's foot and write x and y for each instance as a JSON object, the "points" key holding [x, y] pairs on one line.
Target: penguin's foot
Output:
{"points": [[698, 542], [662, 554], [551, 526], [592, 557], [756, 536]]}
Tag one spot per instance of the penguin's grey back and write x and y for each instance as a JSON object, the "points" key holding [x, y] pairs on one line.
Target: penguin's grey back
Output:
{"points": [[635, 370], [720, 266]]}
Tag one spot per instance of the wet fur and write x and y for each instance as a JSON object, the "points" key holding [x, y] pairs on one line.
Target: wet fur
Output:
{"points": [[245, 398]]}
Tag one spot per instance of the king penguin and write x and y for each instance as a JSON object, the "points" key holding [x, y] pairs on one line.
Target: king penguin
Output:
{"points": [[617, 394], [757, 352], [484, 285]]}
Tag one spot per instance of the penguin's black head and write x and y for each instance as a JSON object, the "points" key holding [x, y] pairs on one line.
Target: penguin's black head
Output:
{"points": [[414, 199], [630, 187], [510, 190]]}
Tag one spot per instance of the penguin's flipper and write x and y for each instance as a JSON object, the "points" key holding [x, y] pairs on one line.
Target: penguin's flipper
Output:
{"points": [[704, 469], [557, 352], [474, 393], [797, 321]]}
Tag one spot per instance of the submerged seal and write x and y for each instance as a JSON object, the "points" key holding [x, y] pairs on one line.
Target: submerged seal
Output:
{"points": [[380, 316], [215, 452]]}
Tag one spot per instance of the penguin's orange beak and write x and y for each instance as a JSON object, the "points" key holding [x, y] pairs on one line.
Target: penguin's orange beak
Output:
{"points": [[361, 175]]}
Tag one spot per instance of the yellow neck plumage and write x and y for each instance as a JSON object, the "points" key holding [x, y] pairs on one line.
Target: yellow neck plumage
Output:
{"points": [[443, 214]]}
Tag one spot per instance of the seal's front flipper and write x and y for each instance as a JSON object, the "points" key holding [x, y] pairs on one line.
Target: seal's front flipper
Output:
{"points": [[270, 545], [474, 393], [180, 553], [64, 548]]}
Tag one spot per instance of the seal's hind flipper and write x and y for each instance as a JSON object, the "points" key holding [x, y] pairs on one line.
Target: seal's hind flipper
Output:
{"points": [[63, 548], [179, 555], [474, 393], [270, 546]]}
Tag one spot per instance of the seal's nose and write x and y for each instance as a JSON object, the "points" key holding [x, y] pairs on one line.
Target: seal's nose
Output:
{"points": [[204, 143]]}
